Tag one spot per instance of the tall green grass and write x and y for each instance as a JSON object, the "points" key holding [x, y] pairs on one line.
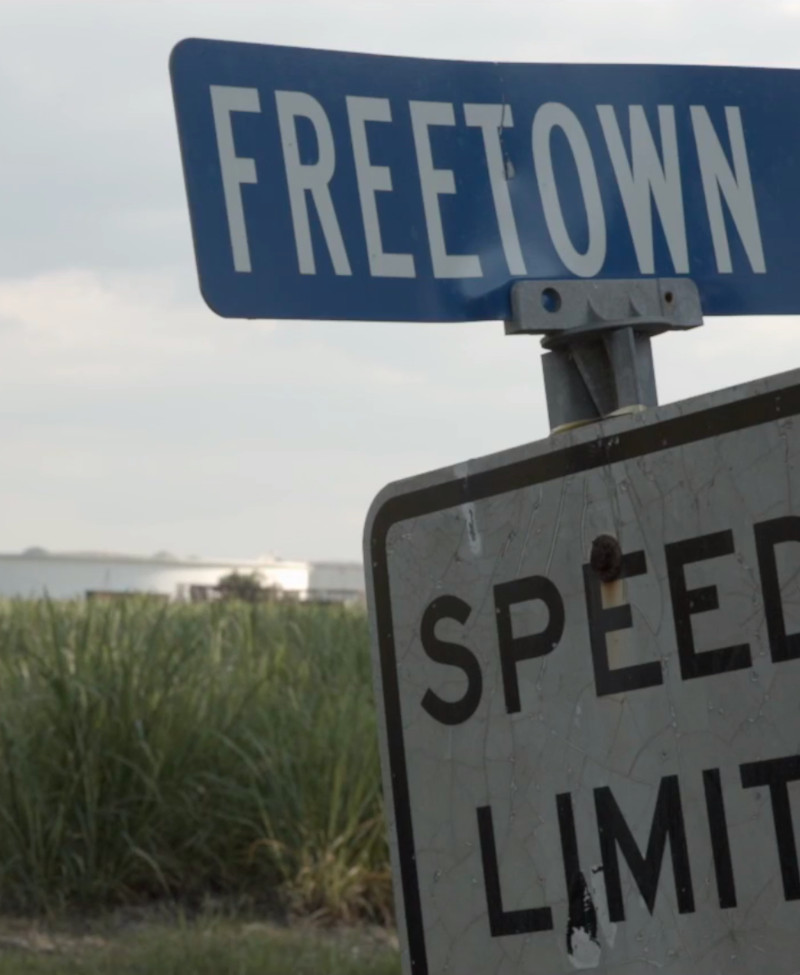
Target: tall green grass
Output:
{"points": [[151, 751]]}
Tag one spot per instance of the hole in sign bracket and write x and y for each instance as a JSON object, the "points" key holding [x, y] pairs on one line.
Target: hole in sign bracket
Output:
{"points": [[543, 307], [597, 333]]}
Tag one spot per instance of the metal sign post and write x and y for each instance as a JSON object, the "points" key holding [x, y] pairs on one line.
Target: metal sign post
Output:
{"points": [[598, 332]]}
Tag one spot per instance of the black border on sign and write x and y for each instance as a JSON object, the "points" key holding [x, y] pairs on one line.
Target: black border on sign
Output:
{"points": [[675, 432]]}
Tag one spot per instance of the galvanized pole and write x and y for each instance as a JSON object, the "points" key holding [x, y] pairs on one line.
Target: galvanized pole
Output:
{"points": [[597, 335]]}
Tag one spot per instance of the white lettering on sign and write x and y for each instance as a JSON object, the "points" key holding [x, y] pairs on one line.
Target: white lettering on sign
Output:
{"points": [[645, 175], [312, 178], [434, 183], [550, 116], [235, 169], [371, 180], [734, 184], [492, 119], [650, 171]]}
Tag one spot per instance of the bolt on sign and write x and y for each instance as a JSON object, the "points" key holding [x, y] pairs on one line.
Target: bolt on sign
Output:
{"points": [[587, 659]]}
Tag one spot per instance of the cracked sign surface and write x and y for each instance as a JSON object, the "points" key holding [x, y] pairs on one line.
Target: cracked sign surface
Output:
{"points": [[584, 773]]}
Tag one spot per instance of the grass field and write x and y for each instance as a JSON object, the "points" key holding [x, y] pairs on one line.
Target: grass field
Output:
{"points": [[170, 753], [202, 947]]}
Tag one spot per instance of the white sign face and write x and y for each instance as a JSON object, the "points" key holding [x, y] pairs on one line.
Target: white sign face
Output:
{"points": [[592, 745]]}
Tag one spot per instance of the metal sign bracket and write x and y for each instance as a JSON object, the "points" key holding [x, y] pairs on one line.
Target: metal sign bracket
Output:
{"points": [[597, 334]]}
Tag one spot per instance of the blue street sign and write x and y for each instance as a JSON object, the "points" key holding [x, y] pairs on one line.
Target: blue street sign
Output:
{"points": [[353, 186]]}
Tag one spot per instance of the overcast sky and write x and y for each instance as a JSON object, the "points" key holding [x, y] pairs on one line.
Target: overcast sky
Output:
{"points": [[132, 418]]}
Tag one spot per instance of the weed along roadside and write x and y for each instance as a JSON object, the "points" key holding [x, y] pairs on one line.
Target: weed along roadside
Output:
{"points": [[176, 753]]}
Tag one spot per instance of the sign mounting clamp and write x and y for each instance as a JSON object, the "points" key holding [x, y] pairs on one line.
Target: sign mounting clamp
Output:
{"points": [[597, 333]]}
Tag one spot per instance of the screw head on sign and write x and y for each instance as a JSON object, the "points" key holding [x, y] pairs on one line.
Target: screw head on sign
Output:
{"points": [[606, 558]]}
